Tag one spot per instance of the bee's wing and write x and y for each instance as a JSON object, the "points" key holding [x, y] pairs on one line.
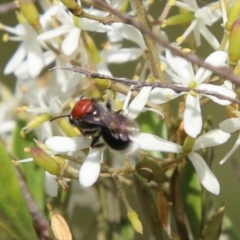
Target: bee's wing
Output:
{"points": [[119, 126]]}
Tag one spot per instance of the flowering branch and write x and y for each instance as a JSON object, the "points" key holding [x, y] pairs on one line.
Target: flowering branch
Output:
{"points": [[78, 11], [137, 84], [223, 71]]}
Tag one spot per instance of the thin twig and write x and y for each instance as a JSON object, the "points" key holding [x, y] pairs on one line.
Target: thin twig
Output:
{"points": [[225, 72], [137, 84]]}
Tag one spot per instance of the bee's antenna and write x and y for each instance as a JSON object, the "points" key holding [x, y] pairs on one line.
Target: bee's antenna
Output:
{"points": [[59, 117]]}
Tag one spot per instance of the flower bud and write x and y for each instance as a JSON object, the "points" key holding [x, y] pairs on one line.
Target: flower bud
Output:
{"points": [[136, 223], [188, 144], [178, 19], [36, 122], [234, 40], [233, 15], [73, 7], [30, 13], [45, 161], [67, 128]]}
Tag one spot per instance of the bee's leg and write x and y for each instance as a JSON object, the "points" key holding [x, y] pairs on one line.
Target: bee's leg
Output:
{"points": [[94, 143]]}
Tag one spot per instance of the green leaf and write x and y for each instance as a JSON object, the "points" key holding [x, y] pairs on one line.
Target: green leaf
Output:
{"points": [[149, 208], [192, 198], [33, 174], [212, 227], [15, 220]]}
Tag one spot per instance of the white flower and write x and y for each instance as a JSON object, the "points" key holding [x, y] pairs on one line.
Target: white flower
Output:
{"points": [[91, 167], [230, 126], [29, 50], [210, 139], [71, 26], [183, 75], [206, 15]]}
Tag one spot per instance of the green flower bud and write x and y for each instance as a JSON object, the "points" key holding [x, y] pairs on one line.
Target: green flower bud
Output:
{"points": [[179, 19], [233, 15], [45, 161], [234, 40], [36, 122], [136, 223], [188, 144]]}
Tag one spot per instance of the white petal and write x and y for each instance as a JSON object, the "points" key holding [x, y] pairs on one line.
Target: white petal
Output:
{"points": [[54, 33], [55, 106], [90, 169], [70, 43], [65, 144], [217, 59], [150, 142], [51, 184], [192, 116], [205, 15], [206, 177], [217, 89], [16, 59], [234, 148], [127, 99], [138, 103], [123, 55], [210, 139], [34, 59], [132, 34], [94, 26], [181, 66], [162, 95], [212, 40], [230, 125]]}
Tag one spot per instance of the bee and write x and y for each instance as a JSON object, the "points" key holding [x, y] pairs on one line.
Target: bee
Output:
{"points": [[96, 120]]}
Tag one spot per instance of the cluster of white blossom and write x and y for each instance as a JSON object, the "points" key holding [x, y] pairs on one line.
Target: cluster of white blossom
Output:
{"points": [[50, 93]]}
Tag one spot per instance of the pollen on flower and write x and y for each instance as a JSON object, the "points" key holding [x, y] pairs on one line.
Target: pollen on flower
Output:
{"points": [[27, 150], [172, 2], [169, 96], [192, 84], [194, 94], [163, 67], [180, 39], [5, 37], [21, 109]]}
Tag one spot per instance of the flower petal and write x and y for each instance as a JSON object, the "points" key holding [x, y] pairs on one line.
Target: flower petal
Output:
{"points": [[90, 169], [51, 184], [217, 89], [192, 116], [230, 125], [34, 59], [206, 177], [211, 39], [70, 43], [138, 103], [180, 66], [217, 59], [210, 139], [65, 144], [54, 33], [234, 148], [16, 59], [123, 55], [162, 95], [150, 142]]}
